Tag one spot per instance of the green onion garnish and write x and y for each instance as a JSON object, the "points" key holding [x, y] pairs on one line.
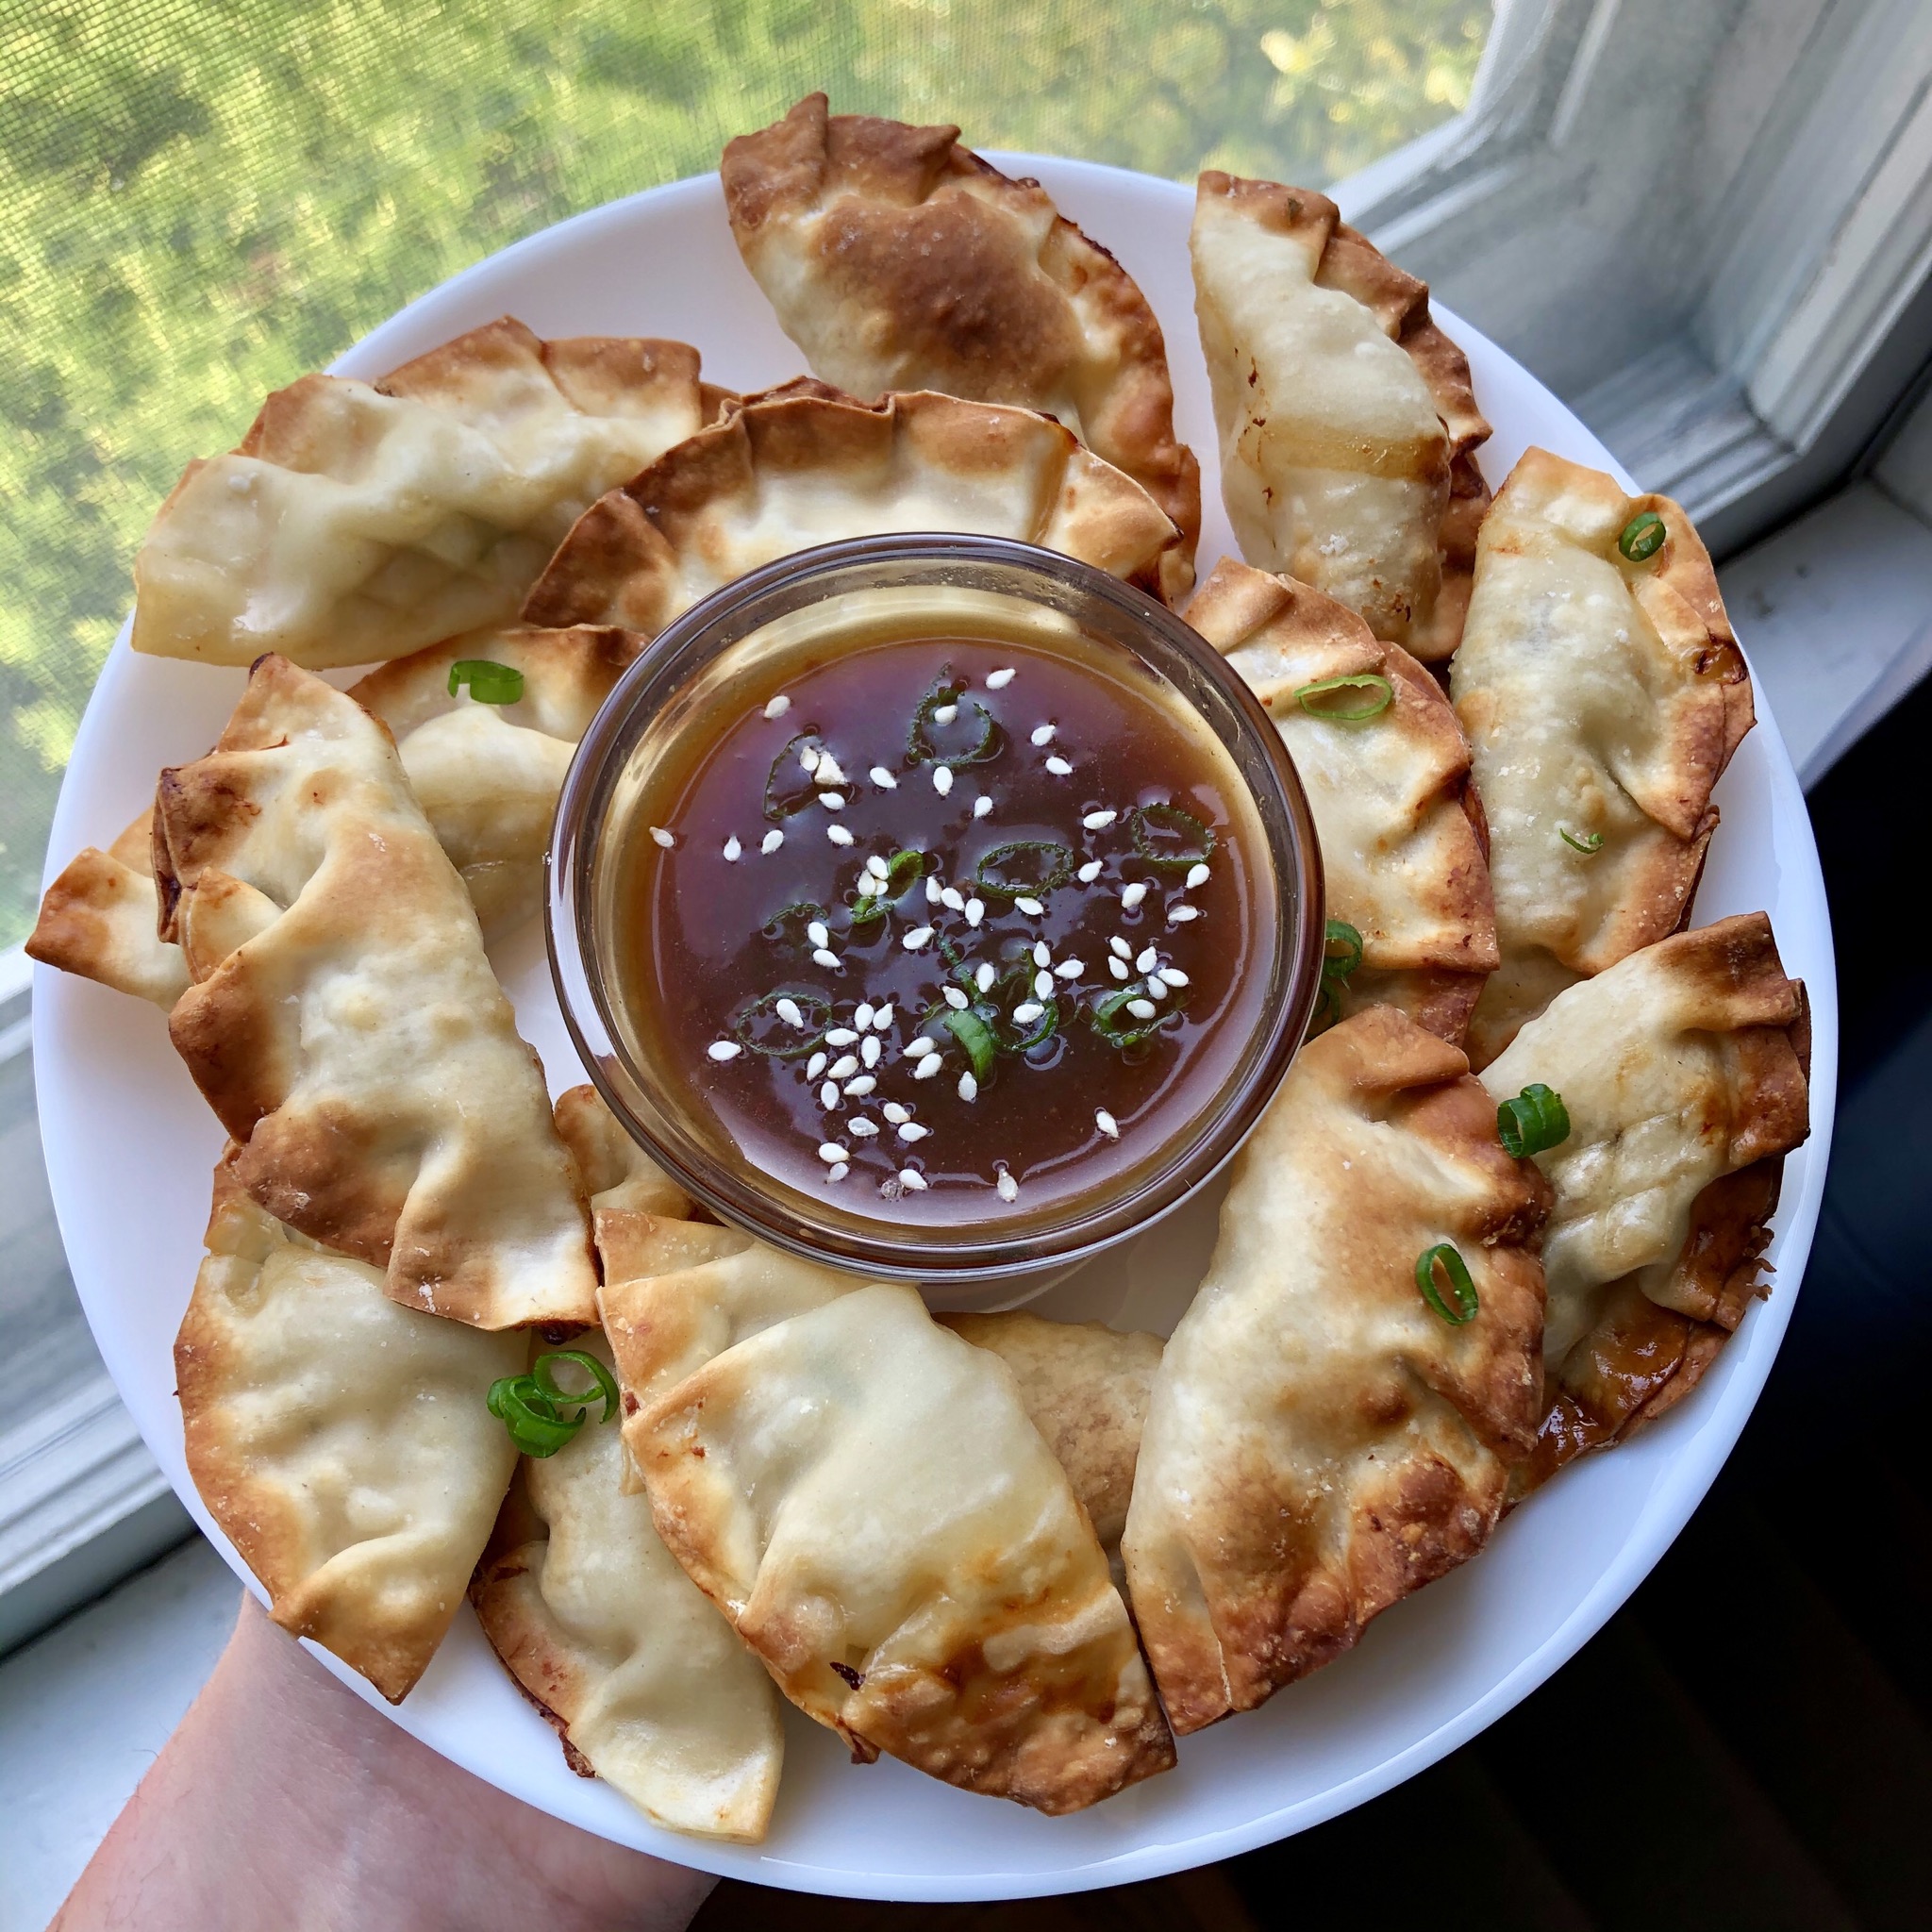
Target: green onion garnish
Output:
{"points": [[903, 871], [767, 1030], [1455, 1273], [801, 912], [1155, 827], [1339, 965], [531, 1405], [1535, 1120], [784, 802], [919, 747], [974, 1035], [1119, 1027], [490, 682], [1051, 867], [1585, 842], [1643, 537], [1347, 699]]}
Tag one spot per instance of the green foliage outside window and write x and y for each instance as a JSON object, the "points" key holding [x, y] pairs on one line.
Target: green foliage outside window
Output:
{"points": [[200, 199]]}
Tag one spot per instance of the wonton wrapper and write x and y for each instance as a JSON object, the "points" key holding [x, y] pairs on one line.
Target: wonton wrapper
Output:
{"points": [[898, 259], [99, 918], [646, 1685], [1399, 828], [1601, 697], [864, 1497], [1683, 1072], [342, 1444], [361, 521], [345, 1024], [1348, 425], [1321, 1443], [805, 465]]}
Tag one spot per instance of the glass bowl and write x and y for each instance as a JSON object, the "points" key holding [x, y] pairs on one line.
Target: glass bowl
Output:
{"points": [[905, 583]]}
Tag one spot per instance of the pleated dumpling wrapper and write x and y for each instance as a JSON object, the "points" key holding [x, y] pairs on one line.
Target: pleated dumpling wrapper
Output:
{"points": [[1322, 1440], [645, 1683], [1684, 1073], [805, 465], [359, 521], [343, 1021], [1348, 423], [898, 259], [1402, 848], [342, 1444], [1603, 694], [100, 916]]}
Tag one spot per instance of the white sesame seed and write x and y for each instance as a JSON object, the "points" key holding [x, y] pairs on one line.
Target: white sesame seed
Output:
{"points": [[859, 1089], [840, 1036], [929, 1066], [1148, 960], [788, 1011], [942, 779], [1031, 907], [911, 1131], [843, 1067], [1156, 987], [932, 889], [920, 935], [945, 714], [869, 1049], [1179, 915], [863, 1018], [732, 850], [956, 999], [878, 868], [832, 1151], [832, 801], [1105, 1122], [998, 680], [882, 1018], [824, 955], [1117, 969], [981, 806], [976, 911], [662, 838], [883, 779], [1043, 953], [1043, 986], [916, 1049], [1059, 767], [1173, 975], [724, 1049], [1120, 948], [828, 1097], [984, 978], [1071, 969], [1008, 1186], [1143, 1010], [1099, 820], [778, 706], [895, 1113], [771, 843], [968, 1087], [838, 835], [1132, 896], [809, 756], [912, 1180], [816, 1065], [1089, 873], [828, 772], [1042, 734], [863, 1130], [817, 933], [953, 899], [838, 1173], [1026, 1012], [1197, 876]]}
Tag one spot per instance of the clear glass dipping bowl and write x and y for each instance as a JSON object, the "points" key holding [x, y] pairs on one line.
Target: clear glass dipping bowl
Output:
{"points": [[940, 580]]}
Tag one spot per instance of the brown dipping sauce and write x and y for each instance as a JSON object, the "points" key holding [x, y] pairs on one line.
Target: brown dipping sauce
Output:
{"points": [[787, 990]]}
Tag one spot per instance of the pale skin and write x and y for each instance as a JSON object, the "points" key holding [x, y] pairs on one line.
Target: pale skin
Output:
{"points": [[284, 1800]]}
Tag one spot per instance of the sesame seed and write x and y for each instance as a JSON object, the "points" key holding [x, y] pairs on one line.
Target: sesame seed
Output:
{"points": [[1132, 896], [788, 1011], [1008, 1186], [1042, 734], [778, 706], [662, 838], [942, 779], [1117, 969], [1059, 767], [1043, 986], [869, 1049], [859, 1089], [824, 955], [838, 1173], [1099, 820], [816, 1065], [828, 1097], [1071, 969], [838, 835], [724, 1049], [1197, 876], [918, 1048], [1089, 873], [1156, 987], [1120, 948], [1043, 953], [840, 1036], [1173, 975], [1148, 960], [883, 779], [1143, 1010], [1031, 907], [953, 899], [895, 1113], [945, 714], [1026, 1012], [817, 932], [932, 889], [863, 1018], [809, 756], [863, 1130], [998, 680], [968, 1087], [911, 1179], [928, 1067], [1105, 1122], [920, 935], [981, 806], [832, 1151], [911, 1131], [828, 772], [878, 868], [882, 1018], [976, 911], [843, 1067], [771, 843], [956, 999], [832, 801], [984, 978], [1179, 915], [732, 849]]}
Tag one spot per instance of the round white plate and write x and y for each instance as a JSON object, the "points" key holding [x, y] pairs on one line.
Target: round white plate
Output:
{"points": [[130, 1146]]}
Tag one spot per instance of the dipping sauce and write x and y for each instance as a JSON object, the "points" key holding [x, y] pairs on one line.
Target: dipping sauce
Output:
{"points": [[942, 929]]}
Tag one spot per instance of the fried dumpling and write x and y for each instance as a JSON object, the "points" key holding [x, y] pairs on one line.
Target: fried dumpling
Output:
{"points": [[359, 521], [1603, 695], [1322, 1441], [99, 921], [1348, 425], [863, 1495], [342, 1444], [805, 465], [644, 1681], [1683, 1069], [343, 1021], [898, 259], [625, 1184], [1398, 827]]}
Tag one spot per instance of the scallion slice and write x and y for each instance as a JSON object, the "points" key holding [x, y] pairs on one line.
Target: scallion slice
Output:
{"points": [[1119, 1027], [490, 682], [920, 746], [799, 914], [1339, 965], [602, 1384], [762, 1029], [1032, 869], [1588, 844], [974, 1035], [533, 1408], [1455, 1270], [1643, 537], [1348, 699], [1533, 1122], [1155, 827], [787, 801]]}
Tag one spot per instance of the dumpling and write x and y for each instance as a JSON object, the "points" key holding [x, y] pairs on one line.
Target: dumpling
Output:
{"points": [[1399, 827], [898, 259], [1348, 425], [361, 521], [99, 918], [342, 1444], [625, 1184], [1322, 1440], [644, 1681], [1603, 694], [345, 1024], [864, 1497], [805, 465], [1683, 1070]]}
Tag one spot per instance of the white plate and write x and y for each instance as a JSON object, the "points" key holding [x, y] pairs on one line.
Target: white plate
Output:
{"points": [[130, 1145]]}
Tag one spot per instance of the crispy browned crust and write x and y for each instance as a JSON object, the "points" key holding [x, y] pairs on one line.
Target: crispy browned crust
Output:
{"points": [[938, 248], [620, 563], [98, 921], [1351, 263]]}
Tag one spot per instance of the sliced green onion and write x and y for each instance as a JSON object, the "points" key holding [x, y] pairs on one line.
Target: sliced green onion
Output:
{"points": [[1533, 1122], [1052, 867], [1455, 1273], [1347, 699], [782, 803], [1586, 842], [1337, 966], [919, 747], [490, 682], [531, 1405], [1108, 1017], [762, 1027], [1145, 821], [1043, 1028], [1643, 537], [974, 1035], [903, 871], [801, 910], [602, 1384]]}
